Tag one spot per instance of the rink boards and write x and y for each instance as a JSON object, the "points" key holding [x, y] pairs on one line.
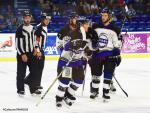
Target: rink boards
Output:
{"points": [[136, 45]]}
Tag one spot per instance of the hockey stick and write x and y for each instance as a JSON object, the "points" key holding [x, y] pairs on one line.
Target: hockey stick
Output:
{"points": [[83, 86], [120, 86], [84, 78], [128, 14], [85, 70], [122, 26], [53, 82]]}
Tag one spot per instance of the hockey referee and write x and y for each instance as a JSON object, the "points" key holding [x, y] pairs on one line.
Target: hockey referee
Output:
{"points": [[24, 46], [40, 37]]}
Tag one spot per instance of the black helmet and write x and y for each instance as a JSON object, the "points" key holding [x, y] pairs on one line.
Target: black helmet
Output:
{"points": [[107, 10], [83, 20], [45, 16], [26, 13], [73, 15]]}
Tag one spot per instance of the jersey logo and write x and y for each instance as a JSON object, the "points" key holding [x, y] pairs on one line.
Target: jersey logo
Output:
{"points": [[103, 40], [67, 38]]}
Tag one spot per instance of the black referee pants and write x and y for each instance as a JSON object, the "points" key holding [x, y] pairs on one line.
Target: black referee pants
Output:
{"points": [[39, 64], [34, 79], [21, 70]]}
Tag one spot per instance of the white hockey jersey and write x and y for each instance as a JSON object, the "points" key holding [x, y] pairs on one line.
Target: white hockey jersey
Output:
{"points": [[68, 55], [108, 39]]}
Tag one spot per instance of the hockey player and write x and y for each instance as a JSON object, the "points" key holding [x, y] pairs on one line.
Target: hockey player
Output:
{"points": [[24, 46], [107, 56], [71, 26], [70, 64], [40, 32]]}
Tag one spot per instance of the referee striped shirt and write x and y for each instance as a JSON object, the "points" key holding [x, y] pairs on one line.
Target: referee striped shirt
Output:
{"points": [[40, 36], [24, 39]]}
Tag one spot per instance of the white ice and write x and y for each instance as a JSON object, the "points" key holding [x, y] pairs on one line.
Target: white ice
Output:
{"points": [[133, 75]]}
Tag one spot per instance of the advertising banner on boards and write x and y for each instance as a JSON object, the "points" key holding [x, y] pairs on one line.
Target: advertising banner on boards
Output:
{"points": [[134, 43]]}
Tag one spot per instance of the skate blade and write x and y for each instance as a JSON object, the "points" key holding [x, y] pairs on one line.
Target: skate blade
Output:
{"points": [[40, 90], [106, 100], [58, 108], [93, 98], [20, 95], [63, 106], [67, 104], [112, 92], [36, 95]]}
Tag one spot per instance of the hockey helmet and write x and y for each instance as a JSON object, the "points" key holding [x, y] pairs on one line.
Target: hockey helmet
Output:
{"points": [[45, 16], [106, 10], [83, 20], [73, 15], [27, 13]]}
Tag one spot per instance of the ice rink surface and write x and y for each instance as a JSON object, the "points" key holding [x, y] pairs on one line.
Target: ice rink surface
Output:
{"points": [[133, 75]]}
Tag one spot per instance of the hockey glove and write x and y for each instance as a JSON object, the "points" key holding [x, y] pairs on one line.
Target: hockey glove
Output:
{"points": [[88, 52], [116, 51], [77, 44], [117, 60]]}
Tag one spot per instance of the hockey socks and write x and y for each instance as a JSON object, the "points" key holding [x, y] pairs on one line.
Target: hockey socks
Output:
{"points": [[106, 89], [94, 87]]}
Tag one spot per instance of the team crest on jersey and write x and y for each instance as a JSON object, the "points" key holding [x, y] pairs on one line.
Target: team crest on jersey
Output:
{"points": [[67, 38], [103, 40]]}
